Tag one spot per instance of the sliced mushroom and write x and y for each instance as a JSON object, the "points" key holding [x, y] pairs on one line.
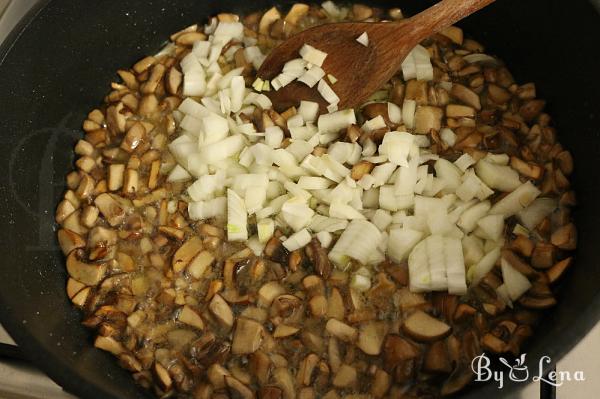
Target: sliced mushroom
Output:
{"points": [[436, 358], [397, 349], [287, 309], [270, 392], [318, 305], [64, 210], [73, 287], [306, 368], [335, 305], [186, 253], [81, 297], [188, 316], [113, 207], [493, 344], [216, 375], [284, 380], [428, 118], [558, 269], [88, 274], [268, 292], [565, 237], [425, 328], [283, 330], [238, 389], [371, 336], [102, 243], [247, 336], [460, 377], [345, 377], [221, 310], [267, 20], [69, 240], [341, 330], [466, 95], [318, 256], [109, 344]]}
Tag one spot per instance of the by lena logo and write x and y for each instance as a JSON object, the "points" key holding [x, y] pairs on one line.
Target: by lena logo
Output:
{"points": [[518, 372]]}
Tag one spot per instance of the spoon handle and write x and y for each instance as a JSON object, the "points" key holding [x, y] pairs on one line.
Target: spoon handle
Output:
{"points": [[442, 15]]}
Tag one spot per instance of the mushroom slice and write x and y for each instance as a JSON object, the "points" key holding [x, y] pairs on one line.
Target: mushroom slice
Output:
{"points": [[381, 384], [109, 344], [88, 274], [113, 207], [305, 371], [284, 380], [345, 377], [247, 336], [268, 292], [437, 359], [397, 350], [371, 336], [190, 317], [238, 389], [460, 377], [69, 240], [81, 297], [283, 330], [73, 287], [216, 375], [221, 310], [271, 393], [297, 11], [260, 366], [267, 19], [101, 243], [425, 328], [341, 330], [186, 253], [162, 377], [286, 309], [318, 256]]}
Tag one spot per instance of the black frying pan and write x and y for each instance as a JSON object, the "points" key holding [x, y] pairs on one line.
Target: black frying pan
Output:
{"points": [[58, 63]]}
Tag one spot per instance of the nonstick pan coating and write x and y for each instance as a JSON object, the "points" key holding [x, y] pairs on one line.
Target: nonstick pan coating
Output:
{"points": [[58, 64]]}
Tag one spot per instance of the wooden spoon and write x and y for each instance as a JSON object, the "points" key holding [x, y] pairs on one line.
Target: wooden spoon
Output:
{"points": [[360, 70]]}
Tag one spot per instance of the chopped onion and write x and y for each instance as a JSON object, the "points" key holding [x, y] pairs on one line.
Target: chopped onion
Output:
{"points": [[516, 201], [483, 267], [464, 161], [397, 146], [234, 30], [382, 219], [314, 183], [499, 177], [492, 226], [325, 238], [479, 57], [472, 249], [238, 87], [409, 67], [340, 210], [468, 220], [308, 110], [256, 245], [321, 223], [273, 136], [394, 113], [448, 137], [408, 113], [201, 48], [178, 174], [255, 198], [296, 213], [312, 55], [537, 211], [327, 93], [516, 283], [358, 241], [194, 84], [449, 173], [297, 240], [225, 81], [455, 267], [237, 218], [216, 207], [312, 76], [363, 39], [401, 241], [265, 228], [336, 121]]}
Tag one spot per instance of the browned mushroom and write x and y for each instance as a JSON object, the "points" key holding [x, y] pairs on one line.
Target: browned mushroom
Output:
{"points": [[247, 336], [425, 328], [221, 310], [87, 273], [371, 336], [436, 358], [318, 256]]}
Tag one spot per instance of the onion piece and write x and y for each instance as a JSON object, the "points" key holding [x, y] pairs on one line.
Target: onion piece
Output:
{"points": [[401, 241], [296, 213], [312, 76], [308, 110], [237, 219], [516, 283], [325, 238], [336, 121], [340, 210], [464, 162], [483, 267], [408, 113], [499, 177], [363, 39], [216, 207], [265, 229], [537, 211], [394, 113], [469, 218], [516, 200], [178, 174], [358, 241], [312, 55], [492, 226], [327, 93], [321, 223], [297, 240]]}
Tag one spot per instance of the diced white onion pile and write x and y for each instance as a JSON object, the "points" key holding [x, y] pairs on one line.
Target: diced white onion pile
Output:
{"points": [[439, 221]]}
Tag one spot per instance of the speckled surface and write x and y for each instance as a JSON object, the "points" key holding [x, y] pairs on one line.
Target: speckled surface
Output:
{"points": [[60, 67]]}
